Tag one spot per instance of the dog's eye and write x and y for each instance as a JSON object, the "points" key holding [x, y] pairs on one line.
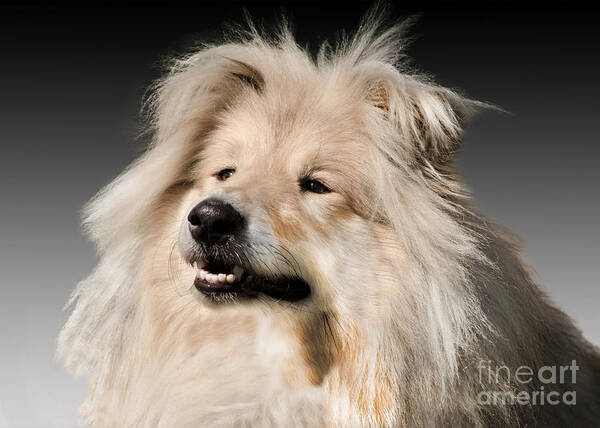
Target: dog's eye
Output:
{"points": [[313, 186], [224, 174]]}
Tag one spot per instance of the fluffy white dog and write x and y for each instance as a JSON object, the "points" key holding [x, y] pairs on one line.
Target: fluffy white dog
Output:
{"points": [[294, 249]]}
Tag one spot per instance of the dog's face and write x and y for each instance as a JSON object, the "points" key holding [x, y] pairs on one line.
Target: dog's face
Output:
{"points": [[276, 207], [299, 180]]}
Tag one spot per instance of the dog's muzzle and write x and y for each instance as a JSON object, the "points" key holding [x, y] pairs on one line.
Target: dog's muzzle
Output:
{"points": [[223, 257]]}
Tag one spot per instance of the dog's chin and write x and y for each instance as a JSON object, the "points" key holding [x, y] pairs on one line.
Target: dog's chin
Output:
{"points": [[221, 282]]}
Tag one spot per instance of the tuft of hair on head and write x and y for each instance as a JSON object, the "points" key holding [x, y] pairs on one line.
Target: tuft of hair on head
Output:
{"points": [[429, 117]]}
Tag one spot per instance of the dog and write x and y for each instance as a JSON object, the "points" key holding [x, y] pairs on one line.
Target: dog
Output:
{"points": [[294, 249]]}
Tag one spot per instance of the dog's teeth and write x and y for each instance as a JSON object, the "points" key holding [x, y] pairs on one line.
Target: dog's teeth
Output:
{"points": [[238, 271], [215, 278]]}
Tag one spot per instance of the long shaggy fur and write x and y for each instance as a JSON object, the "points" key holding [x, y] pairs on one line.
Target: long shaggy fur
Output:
{"points": [[429, 287]]}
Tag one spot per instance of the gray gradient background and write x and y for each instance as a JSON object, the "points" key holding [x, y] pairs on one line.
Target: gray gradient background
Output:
{"points": [[71, 81]]}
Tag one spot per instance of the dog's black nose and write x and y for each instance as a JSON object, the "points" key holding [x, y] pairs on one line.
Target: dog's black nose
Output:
{"points": [[212, 221]]}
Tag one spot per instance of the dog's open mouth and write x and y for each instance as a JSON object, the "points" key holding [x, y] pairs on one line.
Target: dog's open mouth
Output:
{"points": [[221, 281]]}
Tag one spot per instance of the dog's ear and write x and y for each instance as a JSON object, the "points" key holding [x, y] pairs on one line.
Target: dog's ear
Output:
{"points": [[247, 75], [204, 82], [428, 117]]}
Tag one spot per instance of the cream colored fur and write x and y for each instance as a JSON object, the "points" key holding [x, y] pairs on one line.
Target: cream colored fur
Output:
{"points": [[411, 288]]}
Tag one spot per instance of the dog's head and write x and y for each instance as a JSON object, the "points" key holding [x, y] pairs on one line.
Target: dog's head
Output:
{"points": [[279, 193], [287, 185], [287, 177]]}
